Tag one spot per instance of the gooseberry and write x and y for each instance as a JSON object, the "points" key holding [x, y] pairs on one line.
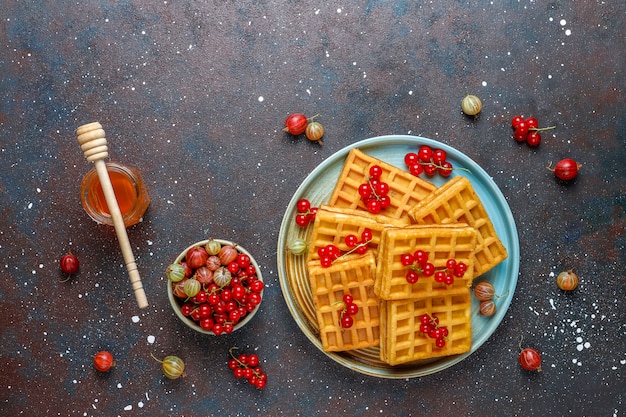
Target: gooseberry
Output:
{"points": [[530, 359], [484, 291], [103, 361], [69, 263], [567, 280], [175, 272], [296, 124], [314, 132], [471, 105], [566, 169], [173, 367], [487, 308], [196, 257], [297, 246]]}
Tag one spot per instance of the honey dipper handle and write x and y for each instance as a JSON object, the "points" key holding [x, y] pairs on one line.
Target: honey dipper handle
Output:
{"points": [[93, 143]]}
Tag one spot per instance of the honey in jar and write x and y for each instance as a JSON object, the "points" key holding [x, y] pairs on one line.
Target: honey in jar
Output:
{"points": [[130, 193]]}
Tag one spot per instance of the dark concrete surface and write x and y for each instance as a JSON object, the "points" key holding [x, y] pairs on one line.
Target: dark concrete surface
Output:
{"points": [[194, 94]]}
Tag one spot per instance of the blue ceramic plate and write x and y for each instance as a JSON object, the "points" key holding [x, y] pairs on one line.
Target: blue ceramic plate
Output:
{"points": [[317, 188]]}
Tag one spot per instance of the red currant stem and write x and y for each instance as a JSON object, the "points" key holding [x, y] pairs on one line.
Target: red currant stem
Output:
{"points": [[539, 129], [245, 365], [445, 168], [353, 249]]}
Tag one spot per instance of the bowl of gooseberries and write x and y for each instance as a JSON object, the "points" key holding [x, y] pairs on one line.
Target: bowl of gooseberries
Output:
{"points": [[215, 286]]}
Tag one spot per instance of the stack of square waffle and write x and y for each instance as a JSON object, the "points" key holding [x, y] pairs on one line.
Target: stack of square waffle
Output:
{"points": [[446, 222]]}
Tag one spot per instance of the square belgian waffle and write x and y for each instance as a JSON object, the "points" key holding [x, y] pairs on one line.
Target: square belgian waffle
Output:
{"points": [[332, 225], [441, 242], [400, 338], [456, 202], [353, 275], [405, 189]]}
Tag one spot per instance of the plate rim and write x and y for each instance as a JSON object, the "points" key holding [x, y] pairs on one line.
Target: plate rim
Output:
{"points": [[397, 372]]}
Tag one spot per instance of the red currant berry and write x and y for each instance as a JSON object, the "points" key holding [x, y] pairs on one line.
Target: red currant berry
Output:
{"points": [[347, 321], [303, 205], [375, 172], [257, 286], [430, 169], [428, 269], [516, 120], [373, 206], [406, 259], [440, 342], [450, 264], [449, 279], [445, 169], [411, 159], [302, 220], [439, 156], [253, 360], [365, 190], [347, 298], [421, 257], [532, 123], [520, 137], [533, 139], [522, 127], [412, 277], [416, 169], [352, 309], [326, 261], [440, 276], [351, 241], [366, 235], [425, 153], [243, 260]]}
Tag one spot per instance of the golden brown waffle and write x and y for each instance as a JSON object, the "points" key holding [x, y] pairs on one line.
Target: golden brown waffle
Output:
{"points": [[405, 189], [400, 338], [457, 202], [332, 225], [353, 275], [441, 242]]}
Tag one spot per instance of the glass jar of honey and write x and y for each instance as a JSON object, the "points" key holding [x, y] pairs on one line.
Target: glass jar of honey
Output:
{"points": [[130, 192]]}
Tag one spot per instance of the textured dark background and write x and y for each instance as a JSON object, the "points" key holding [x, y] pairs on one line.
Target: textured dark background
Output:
{"points": [[177, 86]]}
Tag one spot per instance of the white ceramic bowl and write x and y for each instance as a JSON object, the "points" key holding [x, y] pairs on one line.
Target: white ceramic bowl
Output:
{"points": [[178, 302]]}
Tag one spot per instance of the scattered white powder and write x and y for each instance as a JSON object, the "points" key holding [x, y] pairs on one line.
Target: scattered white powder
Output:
{"points": [[135, 319], [128, 408], [140, 404], [151, 339], [261, 99], [119, 386], [563, 22]]}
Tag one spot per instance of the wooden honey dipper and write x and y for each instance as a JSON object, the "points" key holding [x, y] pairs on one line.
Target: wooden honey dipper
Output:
{"points": [[93, 142]]}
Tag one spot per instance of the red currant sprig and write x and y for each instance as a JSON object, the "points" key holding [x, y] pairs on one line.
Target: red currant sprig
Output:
{"points": [[429, 161], [247, 366], [527, 130], [306, 213], [452, 270], [349, 309], [374, 192], [418, 263], [329, 253], [429, 325]]}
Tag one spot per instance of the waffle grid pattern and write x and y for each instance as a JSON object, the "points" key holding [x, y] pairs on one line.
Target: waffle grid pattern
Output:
{"points": [[353, 275], [442, 242], [405, 189], [455, 202], [332, 225], [401, 340]]}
